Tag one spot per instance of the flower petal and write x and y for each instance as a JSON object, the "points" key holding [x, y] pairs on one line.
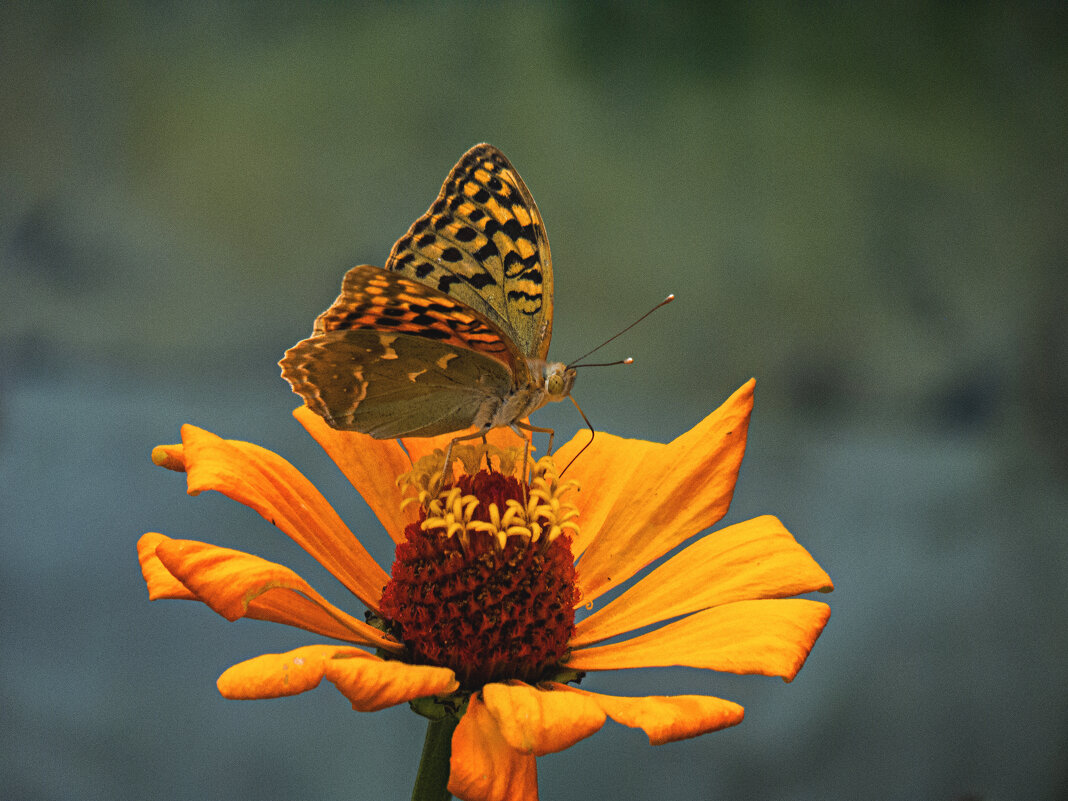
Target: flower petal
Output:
{"points": [[293, 608], [769, 637], [755, 559], [537, 721], [641, 499], [269, 484], [161, 584], [278, 675], [237, 584], [483, 766], [370, 464], [170, 456], [666, 718], [371, 683]]}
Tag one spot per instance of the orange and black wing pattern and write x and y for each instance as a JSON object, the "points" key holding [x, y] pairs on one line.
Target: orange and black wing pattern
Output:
{"points": [[374, 299], [483, 242]]}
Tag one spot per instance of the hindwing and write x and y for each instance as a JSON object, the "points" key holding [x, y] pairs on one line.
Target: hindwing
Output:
{"points": [[391, 384]]}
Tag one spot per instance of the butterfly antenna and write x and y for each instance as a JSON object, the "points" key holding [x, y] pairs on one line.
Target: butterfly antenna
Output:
{"points": [[575, 363], [627, 360], [593, 433]]}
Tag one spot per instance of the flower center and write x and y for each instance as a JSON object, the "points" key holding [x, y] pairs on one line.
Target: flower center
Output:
{"points": [[484, 582]]}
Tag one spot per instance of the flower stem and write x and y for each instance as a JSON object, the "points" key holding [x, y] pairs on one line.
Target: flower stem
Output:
{"points": [[432, 780]]}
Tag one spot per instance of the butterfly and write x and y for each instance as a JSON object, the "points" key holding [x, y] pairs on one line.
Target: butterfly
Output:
{"points": [[453, 333]]}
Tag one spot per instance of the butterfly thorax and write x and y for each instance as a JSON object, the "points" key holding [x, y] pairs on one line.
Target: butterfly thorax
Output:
{"points": [[550, 381]]}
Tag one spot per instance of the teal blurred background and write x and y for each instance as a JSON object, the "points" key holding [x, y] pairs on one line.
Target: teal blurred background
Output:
{"points": [[862, 206]]}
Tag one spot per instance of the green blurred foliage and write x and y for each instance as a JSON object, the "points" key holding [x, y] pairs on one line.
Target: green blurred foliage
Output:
{"points": [[862, 204]]}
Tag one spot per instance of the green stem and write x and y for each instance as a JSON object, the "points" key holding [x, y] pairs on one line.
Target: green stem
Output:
{"points": [[432, 780]]}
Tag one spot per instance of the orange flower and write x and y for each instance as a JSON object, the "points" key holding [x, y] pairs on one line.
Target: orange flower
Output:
{"points": [[477, 620]]}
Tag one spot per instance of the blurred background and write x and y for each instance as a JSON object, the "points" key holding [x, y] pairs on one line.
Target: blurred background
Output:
{"points": [[862, 206]]}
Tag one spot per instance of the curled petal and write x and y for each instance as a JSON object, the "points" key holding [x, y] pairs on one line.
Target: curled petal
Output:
{"points": [[541, 721], [161, 584], [277, 605], [269, 484], [371, 683], [370, 465], [755, 559], [237, 584], [483, 766], [278, 675], [666, 718], [641, 499], [170, 456], [770, 637]]}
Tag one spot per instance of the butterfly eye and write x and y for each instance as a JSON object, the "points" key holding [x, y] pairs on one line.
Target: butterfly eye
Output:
{"points": [[555, 384], [559, 379]]}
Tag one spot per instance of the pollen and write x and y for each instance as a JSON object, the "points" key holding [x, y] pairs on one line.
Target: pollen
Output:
{"points": [[484, 582]]}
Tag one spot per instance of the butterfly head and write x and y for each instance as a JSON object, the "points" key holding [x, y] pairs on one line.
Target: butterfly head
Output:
{"points": [[557, 379]]}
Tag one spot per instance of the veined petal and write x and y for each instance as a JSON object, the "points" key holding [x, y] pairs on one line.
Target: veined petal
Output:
{"points": [[537, 721], [755, 559], [483, 766], [293, 608], [666, 718], [278, 675], [370, 464], [769, 637], [237, 584], [651, 497], [371, 683], [269, 484], [161, 584]]}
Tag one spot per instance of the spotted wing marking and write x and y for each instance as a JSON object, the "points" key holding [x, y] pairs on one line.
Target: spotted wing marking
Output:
{"points": [[483, 242]]}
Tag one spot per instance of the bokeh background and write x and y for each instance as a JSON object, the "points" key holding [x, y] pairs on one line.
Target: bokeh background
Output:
{"points": [[862, 206]]}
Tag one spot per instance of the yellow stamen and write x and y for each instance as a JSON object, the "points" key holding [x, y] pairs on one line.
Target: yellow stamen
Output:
{"points": [[542, 518]]}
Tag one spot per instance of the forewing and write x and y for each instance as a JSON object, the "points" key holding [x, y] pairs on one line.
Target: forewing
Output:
{"points": [[392, 384], [483, 242], [374, 299]]}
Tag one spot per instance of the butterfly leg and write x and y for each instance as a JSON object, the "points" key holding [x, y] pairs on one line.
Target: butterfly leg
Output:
{"points": [[448, 453], [528, 445], [539, 430], [527, 471]]}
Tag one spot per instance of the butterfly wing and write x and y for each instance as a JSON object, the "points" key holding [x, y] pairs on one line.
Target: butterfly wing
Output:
{"points": [[483, 242], [465, 299], [372, 298], [389, 384], [395, 357]]}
